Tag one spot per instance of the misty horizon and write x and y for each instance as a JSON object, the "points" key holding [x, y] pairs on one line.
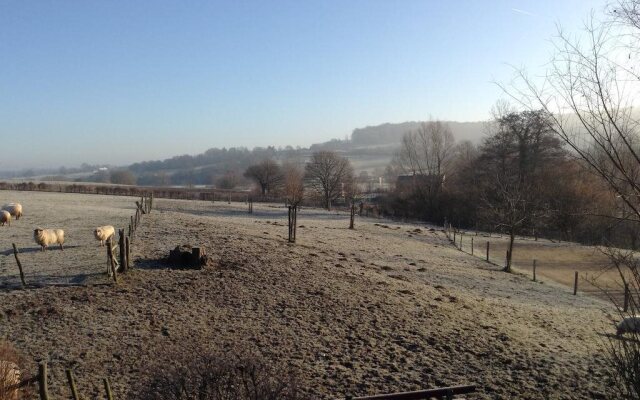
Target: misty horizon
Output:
{"points": [[119, 83]]}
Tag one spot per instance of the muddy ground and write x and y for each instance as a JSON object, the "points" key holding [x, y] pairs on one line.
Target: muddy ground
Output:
{"points": [[382, 308]]}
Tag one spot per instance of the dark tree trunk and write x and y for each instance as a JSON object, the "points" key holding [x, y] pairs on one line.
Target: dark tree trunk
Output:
{"points": [[512, 235]]}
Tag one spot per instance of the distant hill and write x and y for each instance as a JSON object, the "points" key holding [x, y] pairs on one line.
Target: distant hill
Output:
{"points": [[369, 149], [392, 133]]}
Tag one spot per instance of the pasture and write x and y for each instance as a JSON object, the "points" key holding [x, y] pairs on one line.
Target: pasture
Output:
{"points": [[83, 261], [385, 307], [555, 262]]}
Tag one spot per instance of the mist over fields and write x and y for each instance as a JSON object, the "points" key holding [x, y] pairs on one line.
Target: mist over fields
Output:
{"points": [[369, 149]]}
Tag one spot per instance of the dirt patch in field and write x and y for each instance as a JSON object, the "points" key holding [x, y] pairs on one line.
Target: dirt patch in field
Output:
{"points": [[355, 312]]}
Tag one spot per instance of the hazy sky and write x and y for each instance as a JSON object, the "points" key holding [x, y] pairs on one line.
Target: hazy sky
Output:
{"points": [[123, 81]]}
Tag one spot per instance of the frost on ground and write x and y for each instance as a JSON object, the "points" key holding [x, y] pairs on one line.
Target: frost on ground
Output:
{"points": [[385, 307]]}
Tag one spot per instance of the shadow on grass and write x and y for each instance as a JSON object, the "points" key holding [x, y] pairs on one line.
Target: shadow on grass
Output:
{"points": [[35, 249]]}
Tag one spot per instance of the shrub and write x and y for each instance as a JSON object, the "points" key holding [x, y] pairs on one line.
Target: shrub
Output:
{"points": [[218, 376]]}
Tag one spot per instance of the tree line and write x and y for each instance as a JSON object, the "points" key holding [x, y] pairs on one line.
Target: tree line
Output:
{"points": [[326, 178], [522, 179]]}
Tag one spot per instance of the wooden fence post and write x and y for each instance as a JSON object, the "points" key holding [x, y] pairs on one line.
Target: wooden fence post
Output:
{"points": [[575, 284], [295, 222], [121, 245], [626, 297], [111, 260], [127, 245], [487, 251], [72, 385], [534, 269], [471, 245], [42, 381], [352, 216], [289, 210], [15, 254]]}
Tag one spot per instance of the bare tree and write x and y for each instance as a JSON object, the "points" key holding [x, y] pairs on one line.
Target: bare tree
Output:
{"points": [[427, 150], [293, 177], [122, 177], [294, 194], [326, 173], [510, 166], [426, 155], [267, 174], [589, 91], [228, 181]]}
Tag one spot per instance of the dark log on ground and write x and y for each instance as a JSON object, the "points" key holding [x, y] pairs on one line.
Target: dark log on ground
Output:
{"points": [[187, 257]]}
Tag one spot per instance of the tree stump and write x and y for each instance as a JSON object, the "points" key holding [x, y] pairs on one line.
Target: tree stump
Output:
{"points": [[187, 257]]}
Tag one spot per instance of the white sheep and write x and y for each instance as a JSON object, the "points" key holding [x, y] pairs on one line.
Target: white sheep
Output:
{"points": [[15, 209], [104, 233], [9, 380], [629, 324], [5, 217], [45, 237]]}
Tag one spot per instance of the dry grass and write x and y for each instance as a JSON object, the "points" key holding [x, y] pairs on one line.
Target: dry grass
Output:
{"points": [[382, 308], [555, 261]]}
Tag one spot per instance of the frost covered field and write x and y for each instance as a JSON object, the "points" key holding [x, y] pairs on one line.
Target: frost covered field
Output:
{"points": [[386, 307]]}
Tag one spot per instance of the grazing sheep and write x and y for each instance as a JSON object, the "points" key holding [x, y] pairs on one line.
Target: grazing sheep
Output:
{"points": [[5, 217], [103, 233], [15, 209], [628, 325], [45, 237], [9, 380]]}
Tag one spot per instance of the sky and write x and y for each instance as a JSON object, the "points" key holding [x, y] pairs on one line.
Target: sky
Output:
{"points": [[124, 81]]}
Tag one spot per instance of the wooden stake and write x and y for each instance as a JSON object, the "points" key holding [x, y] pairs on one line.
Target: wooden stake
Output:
{"points": [[352, 216], [534, 269], [195, 254], [289, 210], [123, 257], [575, 284], [472, 244], [15, 254], [295, 222], [42, 381], [72, 385], [127, 245], [112, 262], [487, 251]]}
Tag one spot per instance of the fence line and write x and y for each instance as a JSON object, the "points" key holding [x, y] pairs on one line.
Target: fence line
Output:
{"points": [[455, 237], [123, 262]]}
